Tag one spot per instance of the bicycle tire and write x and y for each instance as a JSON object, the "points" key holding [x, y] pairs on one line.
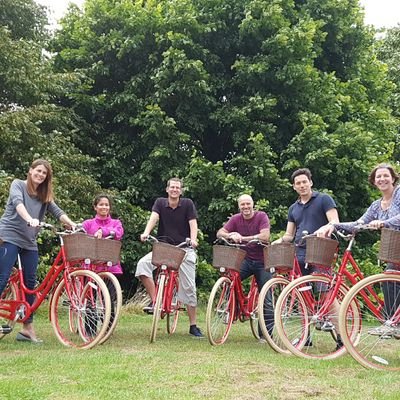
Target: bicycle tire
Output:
{"points": [[253, 309], [300, 331], [220, 311], [87, 294], [175, 306], [379, 345], [157, 308], [275, 286], [9, 293], [114, 288]]}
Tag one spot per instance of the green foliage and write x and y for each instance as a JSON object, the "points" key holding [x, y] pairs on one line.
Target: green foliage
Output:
{"points": [[231, 95]]}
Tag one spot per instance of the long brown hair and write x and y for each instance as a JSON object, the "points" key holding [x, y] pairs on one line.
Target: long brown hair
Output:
{"points": [[44, 191]]}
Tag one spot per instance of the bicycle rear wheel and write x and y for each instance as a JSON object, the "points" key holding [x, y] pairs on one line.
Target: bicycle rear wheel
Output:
{"points": [[114, 288], [379, 344], [173, 315], [304, 329], [220, 311], [157, 308], [9, 293], [80, 309], [268, 297]]}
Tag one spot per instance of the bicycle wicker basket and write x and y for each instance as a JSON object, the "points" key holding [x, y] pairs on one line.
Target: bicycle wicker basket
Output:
{"points": [[167, 254], [321, 251], [80, 246], [389, 250], [279, 256], [228, 257], [107, 250]]}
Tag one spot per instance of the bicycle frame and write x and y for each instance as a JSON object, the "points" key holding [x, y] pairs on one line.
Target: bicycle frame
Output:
{"points": [[171, 277], [20, 309], [343, 277]]}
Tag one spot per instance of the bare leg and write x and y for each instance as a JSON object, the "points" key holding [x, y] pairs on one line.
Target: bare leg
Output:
{"points": [[191, 310], [27, 330], [149, 285]]}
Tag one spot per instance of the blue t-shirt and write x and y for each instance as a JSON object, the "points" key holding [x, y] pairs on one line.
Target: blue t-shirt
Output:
{"points": [[311, 215]]}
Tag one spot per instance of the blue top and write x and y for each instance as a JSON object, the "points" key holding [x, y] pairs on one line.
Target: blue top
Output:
{"points": [[311, 215]]}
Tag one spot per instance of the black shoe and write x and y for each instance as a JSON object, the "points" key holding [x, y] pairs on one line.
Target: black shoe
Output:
{"points": [[196, 332], [308, 342], [149, 309], [339, 343]]}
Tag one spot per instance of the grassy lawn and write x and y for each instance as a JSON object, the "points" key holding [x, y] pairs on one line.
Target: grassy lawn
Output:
{"points": [[177, 367]]}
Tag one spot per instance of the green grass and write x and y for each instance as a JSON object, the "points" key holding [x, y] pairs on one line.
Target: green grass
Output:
{"points": [[177, 367]]}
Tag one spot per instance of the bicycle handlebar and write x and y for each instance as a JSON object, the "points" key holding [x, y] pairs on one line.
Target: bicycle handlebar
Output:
{"points": [[187, 242], [233, 244]]}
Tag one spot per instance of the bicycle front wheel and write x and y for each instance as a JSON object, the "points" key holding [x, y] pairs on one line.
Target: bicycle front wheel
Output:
{"points": [[307, 318], [175, 306], [114, 288], [269, 294], [80, 309], [253, 309], [220, 311], [157, 308], [378, 346]]}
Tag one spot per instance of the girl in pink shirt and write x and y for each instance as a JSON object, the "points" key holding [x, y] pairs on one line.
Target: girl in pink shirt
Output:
{"points": [[102, 225]]}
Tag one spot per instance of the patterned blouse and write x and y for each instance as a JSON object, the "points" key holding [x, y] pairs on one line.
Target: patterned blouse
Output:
{"points": [[391, 215]]}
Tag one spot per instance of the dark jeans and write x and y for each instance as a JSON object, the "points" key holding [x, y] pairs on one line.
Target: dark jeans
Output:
{"points": [[29, 260], [391, 293], [256, 268]]}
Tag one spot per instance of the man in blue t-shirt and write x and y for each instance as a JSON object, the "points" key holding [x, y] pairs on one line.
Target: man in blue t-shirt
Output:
{"points": [[310, 211]]}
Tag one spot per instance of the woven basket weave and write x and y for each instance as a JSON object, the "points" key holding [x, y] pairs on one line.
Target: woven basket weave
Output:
{"points": [[228, 257], [107, 250], [389, 250], [279, 256], [167, 254], [80, 246], [321, 251]]}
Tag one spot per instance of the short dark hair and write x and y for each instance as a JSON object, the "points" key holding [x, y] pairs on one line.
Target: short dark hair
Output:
{"points": [[175, 180], [301, 171], [393, 173]]}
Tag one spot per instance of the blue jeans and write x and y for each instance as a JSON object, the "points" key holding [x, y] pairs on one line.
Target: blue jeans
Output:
{"points": [[256, 268], [29, 261]]}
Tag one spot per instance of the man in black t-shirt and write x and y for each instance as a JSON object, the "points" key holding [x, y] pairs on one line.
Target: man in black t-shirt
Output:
{"points": [[177, 220]]}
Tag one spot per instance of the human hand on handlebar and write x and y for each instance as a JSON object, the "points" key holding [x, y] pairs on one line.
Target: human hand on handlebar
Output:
{"points": [[34, 223]]}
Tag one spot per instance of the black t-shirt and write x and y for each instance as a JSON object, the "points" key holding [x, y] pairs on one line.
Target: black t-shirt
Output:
{"points": [[173, 226]]}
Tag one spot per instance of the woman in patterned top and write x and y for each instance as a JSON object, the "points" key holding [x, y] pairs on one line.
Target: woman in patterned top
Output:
{"points": [[384, 212]]}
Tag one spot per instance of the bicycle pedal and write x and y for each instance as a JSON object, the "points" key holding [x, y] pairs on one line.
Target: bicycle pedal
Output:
{"points": [[5, 329]]}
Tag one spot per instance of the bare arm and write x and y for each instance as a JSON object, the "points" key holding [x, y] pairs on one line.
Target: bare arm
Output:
{"points": [[263, 235], [193, 232], [333, 218], [289, 234], [151, 223]]}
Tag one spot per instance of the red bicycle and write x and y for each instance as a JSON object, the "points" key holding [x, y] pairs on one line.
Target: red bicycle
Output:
{"points": [[167, 258], [280, 259], [97, 255], [307, 311], [378, 298], [228, 302], [79, 306]]}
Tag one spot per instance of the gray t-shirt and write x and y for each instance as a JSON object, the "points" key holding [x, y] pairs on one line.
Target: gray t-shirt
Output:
{"points": [[13, 228]]}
